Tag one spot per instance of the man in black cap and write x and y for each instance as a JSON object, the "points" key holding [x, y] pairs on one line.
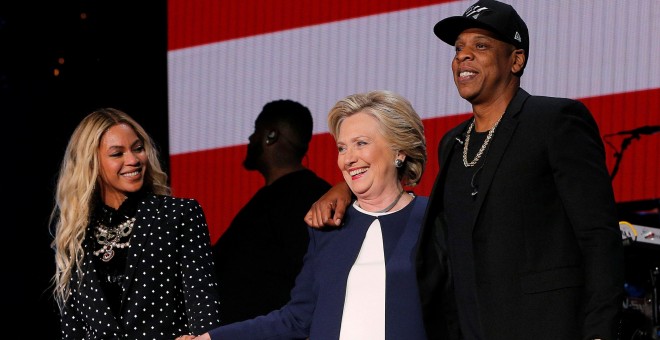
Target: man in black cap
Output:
{"points": [[522, 215]]}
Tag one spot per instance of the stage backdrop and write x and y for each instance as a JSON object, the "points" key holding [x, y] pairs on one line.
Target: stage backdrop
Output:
{"points": [[226, 59]]}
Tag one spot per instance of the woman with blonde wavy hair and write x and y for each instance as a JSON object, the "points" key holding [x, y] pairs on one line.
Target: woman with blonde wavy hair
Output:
{"points": [[131, 260]]}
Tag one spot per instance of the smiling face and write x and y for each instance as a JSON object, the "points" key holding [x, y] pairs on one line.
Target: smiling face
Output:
{"points": [[484, 66], [366, 159], [123, 163]]}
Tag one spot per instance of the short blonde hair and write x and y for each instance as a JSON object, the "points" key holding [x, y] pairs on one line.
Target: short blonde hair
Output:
{"points": [[398, 122]]}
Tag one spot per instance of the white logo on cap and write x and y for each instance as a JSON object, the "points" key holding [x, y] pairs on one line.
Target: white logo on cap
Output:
{"points": [[517, 37], [474, 11]]}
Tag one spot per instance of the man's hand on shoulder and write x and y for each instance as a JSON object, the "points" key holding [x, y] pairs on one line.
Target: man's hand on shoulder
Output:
{"points": [[329, 209]]}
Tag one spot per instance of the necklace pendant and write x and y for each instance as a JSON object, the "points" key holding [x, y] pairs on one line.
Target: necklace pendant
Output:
{"points": [[108, 254], [110, 238]]}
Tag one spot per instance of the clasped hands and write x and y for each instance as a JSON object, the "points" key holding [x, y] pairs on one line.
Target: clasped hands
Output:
{"points": [[204, 336]]}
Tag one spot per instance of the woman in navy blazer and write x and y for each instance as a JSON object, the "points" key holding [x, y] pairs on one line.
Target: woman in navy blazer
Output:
{"points": [[381, 144], [132, 261], [521, 239]]}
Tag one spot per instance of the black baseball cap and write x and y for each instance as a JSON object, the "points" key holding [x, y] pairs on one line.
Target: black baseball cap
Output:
{"points": [[497, 17]]}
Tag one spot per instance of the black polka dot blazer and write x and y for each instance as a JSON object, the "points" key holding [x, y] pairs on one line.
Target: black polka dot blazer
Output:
{"points": [[170, 287]]}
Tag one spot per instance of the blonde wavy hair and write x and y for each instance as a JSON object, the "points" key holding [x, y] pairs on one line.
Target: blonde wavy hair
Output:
{"points": [[77, 191], [398, 121]]}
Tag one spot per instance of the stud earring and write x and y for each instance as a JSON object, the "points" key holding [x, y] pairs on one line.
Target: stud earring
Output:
{"points": [[398, 163]]}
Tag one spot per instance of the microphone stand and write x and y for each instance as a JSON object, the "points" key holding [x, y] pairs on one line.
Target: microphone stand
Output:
{"points": [[618, 155], [654, 297]]}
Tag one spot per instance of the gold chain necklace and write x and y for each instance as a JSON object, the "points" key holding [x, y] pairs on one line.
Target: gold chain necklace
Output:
{"points": [[483, 146]]}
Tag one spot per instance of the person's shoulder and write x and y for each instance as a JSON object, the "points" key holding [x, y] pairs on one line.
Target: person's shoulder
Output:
{"points": [[456, 130], [424, 200], [321, 182], [554, 107], [316, 177], [173, 200], [549, 100], [306, 180], [309, 173]]}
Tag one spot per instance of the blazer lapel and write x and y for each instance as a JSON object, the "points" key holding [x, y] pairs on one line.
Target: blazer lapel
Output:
{"points": [[93, 292], [456, 135], [445, 150], [145, 218], [498, 146], [410, 234]]}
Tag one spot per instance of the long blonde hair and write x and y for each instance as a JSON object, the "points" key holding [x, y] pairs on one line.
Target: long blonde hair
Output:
{"points": [[76, 191]]}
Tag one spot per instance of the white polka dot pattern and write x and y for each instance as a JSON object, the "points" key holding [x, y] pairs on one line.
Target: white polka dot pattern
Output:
{"points": [[170, 287]]}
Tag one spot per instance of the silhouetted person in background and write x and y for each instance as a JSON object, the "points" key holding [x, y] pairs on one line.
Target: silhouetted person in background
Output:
{"points": [[258, 257]]}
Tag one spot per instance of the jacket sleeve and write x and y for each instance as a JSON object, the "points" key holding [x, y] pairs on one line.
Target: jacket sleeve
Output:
{"points": [[200, 287], [291, 321], [72, 324], [577, 156]]}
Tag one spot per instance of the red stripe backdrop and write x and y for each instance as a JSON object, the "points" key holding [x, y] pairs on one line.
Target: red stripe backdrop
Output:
{"points": [[637, 178], [198, 22], [217, 179]]}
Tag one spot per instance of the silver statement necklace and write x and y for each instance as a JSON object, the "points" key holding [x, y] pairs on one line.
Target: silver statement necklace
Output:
{"points": [[109, 238], [483, 146], [391, 204]]}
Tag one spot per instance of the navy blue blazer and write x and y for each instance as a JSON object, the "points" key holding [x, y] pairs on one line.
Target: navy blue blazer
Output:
{"points": [[317, 300]]}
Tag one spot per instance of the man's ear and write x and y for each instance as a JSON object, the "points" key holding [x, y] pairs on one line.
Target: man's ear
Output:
{"points": [[271, 136], [518, 60]]}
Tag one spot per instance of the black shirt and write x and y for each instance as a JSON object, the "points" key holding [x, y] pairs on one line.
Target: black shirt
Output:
{"points": [[107, 225], [460, 196], [259, 256]]}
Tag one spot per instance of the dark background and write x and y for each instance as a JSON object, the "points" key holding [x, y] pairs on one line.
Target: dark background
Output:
{"points": [[114, 54], [108, 54]]}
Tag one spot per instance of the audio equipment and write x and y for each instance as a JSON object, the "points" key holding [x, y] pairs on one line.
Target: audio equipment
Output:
{"points": [[632, 233], [639, 318]]}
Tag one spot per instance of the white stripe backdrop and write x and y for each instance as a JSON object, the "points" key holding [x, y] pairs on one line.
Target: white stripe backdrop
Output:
{"points": [[578, 49]]}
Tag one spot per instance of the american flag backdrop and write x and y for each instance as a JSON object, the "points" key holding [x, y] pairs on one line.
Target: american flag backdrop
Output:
{"points": [[226, 59]]}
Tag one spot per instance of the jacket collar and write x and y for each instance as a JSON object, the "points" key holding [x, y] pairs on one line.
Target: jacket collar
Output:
{"points": [[145, 218], [498, 146], [141, 230]]}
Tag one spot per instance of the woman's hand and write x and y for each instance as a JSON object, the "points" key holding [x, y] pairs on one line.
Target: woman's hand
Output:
{"points": [[330, 208], [204, 336], [185, 337]]}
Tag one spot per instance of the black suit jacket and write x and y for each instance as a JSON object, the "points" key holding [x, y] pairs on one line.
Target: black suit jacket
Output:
{"points": [[547, 246], [170, 287]]}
